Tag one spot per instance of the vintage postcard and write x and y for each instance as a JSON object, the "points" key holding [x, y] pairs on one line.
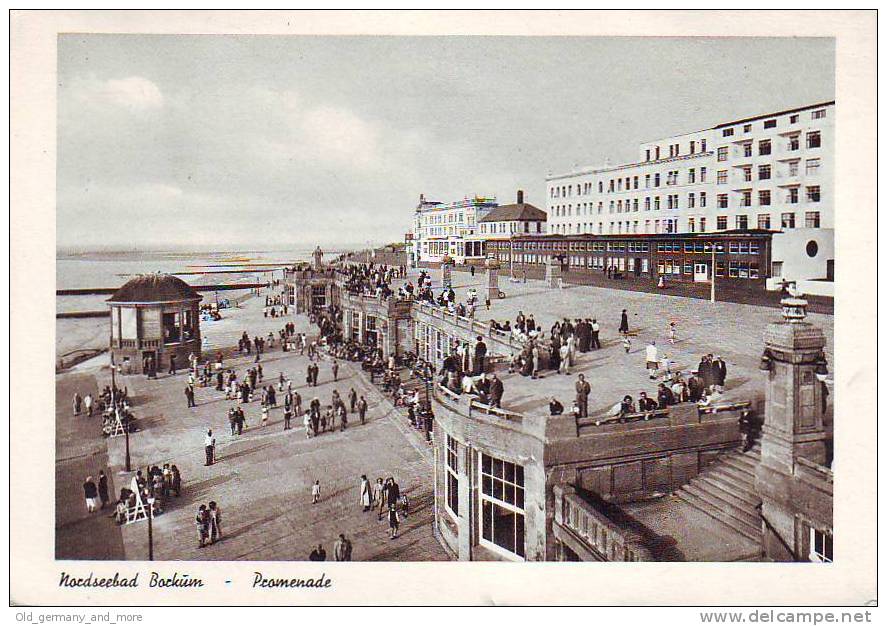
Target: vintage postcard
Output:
{"points": [[516, 307]]}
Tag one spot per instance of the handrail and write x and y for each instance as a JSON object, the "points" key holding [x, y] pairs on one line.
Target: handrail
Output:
{"points": [[663, 413], [816, 467]]}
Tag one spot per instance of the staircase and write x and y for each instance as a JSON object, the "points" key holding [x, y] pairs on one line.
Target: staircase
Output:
{"points": [[725, 490]]}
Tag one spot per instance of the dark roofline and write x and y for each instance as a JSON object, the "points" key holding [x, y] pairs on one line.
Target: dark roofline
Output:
{"points": [[785, 112]]}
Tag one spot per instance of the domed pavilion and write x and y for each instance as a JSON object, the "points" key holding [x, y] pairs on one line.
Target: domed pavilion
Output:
{"points": [[154, 319]]}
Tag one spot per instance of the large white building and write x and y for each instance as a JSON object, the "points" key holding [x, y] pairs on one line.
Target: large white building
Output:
{"points": [[441, 229], [770, 172]]}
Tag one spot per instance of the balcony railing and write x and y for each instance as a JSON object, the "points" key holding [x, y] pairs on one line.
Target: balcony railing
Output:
{"points": [[597, 534]]}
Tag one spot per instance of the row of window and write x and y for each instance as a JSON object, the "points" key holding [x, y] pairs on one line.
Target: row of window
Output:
{"points": [[674, 150], [812, 219], [765, 146], [771, 123], [813, 193]]}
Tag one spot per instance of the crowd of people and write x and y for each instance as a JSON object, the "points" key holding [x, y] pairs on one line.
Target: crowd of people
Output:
{"points": [[370, 279]]}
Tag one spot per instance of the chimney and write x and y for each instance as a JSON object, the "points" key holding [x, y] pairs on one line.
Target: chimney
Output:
{"points": [[520, 196]]}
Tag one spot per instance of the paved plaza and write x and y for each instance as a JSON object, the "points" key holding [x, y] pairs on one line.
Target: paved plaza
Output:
{"points": [[733, 331], [262, 479]]}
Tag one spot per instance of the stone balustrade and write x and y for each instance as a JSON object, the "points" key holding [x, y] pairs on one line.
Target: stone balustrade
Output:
{"points": [[591, 535]]}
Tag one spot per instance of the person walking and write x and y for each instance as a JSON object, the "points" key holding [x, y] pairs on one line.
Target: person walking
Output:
{"points": [[215, 522], [172, 364], [209, 444], [315, 492], [623, 323], [382, 499], [342, 549], [652, 359], [90, 492], [317, 554], [287, 419], [335, 368], [365, 494], [87, 404], [352, 399], [496, 392], [393, 522], [77, 403], [103, 488], [595, 335], [202, 522], [362, 409], [582, 391], [189, 394]]}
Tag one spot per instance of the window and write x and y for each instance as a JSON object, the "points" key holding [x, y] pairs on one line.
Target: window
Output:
{"points": [[701, 224], [764, 197], [746, 198], [702, 199], [691, 173], [818, 115], [813, 167], [656, 179], [692, 147], [647, 181], [742, 222], [746, 174], [811, 219], [746, 128], [635, 182], [702, 172], [792, 197], [722, 153], [727, 132], [722, 222], [820, 544], [793, 119], [763, 172], [502, 505], [453, 476], [794, 143], [172, 328], [814, 140], [722, 177], [648, 155], [792, 168], [656, 203], [746, 149], [813, 193], [770, 124], [722, 201], [764, 221], [764, 147], [647, 203], [691, 224], [691, 200], [788, 220]]}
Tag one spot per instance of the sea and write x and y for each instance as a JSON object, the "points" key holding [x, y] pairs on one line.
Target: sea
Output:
{"points": [[83, 270]]}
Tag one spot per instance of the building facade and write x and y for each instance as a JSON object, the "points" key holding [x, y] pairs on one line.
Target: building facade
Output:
{"points": [[770, 172], [441, 229]]}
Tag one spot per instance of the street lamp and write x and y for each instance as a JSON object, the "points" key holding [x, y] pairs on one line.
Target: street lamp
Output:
{"points": [[150, 528]]}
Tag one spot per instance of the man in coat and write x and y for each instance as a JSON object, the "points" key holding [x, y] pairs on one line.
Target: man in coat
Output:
{"points": [[496, 391], [582, 391], [719, 373], [342, 549], [480, 353]]}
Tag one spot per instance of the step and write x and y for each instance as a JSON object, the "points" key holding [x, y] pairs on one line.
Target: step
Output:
{"points": [[724, 508], [740, 474], [725, 490], [739, 466], [739, 485], [746, 459], [743, 528]]}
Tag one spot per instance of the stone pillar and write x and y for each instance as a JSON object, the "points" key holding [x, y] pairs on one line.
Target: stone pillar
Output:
{"points": [[553, 272], [446, 267], [793, 427], [492, 265]]}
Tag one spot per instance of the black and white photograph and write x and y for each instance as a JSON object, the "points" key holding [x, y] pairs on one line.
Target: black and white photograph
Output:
{"points": [[565, 298]]}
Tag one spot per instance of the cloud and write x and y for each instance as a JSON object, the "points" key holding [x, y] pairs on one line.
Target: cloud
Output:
{"points": [[133, 92]]}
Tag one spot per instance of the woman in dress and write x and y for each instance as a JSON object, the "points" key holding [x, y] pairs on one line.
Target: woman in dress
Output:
{"points": [[365, 493]]}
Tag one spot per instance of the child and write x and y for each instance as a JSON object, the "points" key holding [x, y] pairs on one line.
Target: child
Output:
{"points": [[315, 492], [626, 343], [393, 521]]}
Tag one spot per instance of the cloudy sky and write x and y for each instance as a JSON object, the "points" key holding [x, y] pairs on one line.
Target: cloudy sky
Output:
{"points": [[220, 142]]}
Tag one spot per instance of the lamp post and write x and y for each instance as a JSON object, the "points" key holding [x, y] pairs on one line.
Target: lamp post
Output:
{"points": [[713, 271], [150, 528]]}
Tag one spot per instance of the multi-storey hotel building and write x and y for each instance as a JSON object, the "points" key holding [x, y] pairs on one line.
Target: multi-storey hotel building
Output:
{"points": [[441, 229], [770, 172]]}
